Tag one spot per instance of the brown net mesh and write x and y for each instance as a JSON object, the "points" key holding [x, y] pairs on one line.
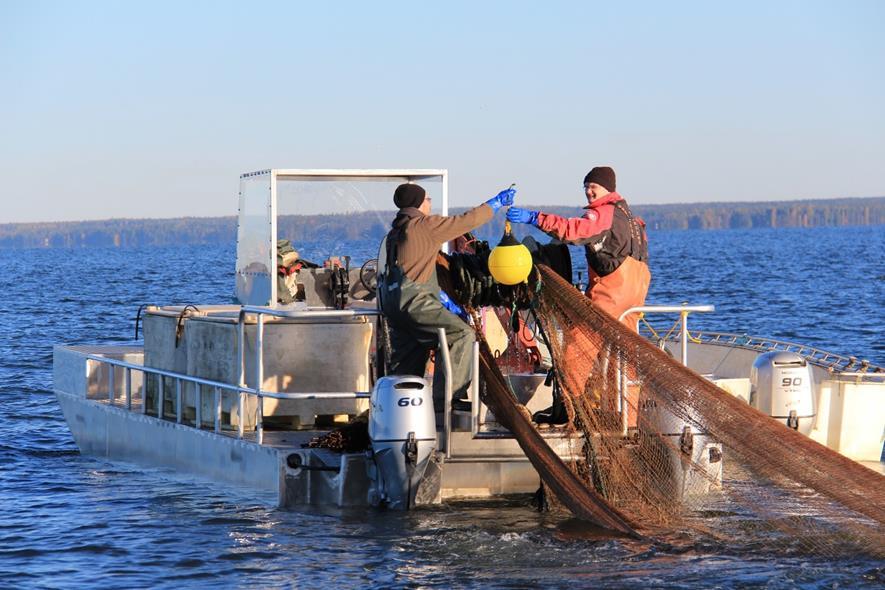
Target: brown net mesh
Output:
{"points": [[684, 455]]}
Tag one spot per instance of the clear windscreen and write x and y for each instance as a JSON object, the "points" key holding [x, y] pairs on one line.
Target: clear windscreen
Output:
{"points": [[255, 264], [341, 217]]}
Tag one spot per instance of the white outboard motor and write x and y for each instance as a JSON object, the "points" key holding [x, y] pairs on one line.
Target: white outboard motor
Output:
{"points": [[782, 386], [402, 428]]}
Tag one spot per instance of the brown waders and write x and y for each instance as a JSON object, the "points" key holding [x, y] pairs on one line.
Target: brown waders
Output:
{"points": [[617, 292], [614, 294]]}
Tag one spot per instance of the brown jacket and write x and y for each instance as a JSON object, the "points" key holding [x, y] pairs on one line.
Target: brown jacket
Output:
{"points": [[420, 237]]}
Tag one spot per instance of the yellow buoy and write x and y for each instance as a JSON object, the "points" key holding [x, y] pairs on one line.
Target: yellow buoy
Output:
{"points": [[510, 262]]}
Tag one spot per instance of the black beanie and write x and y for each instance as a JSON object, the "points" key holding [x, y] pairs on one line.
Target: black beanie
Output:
{"points": [[408, 195], [603, 176]]}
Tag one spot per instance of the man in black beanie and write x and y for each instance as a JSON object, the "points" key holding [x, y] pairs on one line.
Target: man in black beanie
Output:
{"points": [[614, 241], [408, 195], [409, 293]]}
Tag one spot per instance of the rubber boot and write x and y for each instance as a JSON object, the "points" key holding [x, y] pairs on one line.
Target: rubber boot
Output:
{"points": [[555, 414]]}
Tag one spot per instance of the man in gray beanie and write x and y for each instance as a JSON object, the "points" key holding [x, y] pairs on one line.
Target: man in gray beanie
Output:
{"points": [[409, 293]]}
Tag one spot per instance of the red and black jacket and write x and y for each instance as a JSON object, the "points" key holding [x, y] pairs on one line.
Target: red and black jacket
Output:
{"points": [[608, 230]]}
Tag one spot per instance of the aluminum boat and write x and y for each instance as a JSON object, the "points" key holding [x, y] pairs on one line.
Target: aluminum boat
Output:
{"points": [[234, 392]]}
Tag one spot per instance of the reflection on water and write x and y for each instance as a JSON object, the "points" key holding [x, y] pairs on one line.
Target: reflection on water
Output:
{"points": [[73, 521]]}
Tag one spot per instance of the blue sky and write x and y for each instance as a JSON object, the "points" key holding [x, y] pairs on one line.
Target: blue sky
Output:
{"points": [[124, 109]]}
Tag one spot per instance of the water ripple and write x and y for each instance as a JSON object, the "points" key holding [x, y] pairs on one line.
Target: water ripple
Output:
{"points": [[72, 521]]}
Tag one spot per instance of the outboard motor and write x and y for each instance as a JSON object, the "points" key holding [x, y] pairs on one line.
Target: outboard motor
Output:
{"points": [[402, 428], [782, 386]]}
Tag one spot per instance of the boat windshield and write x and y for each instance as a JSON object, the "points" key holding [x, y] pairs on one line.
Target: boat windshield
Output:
{"points": [[323, 213]]}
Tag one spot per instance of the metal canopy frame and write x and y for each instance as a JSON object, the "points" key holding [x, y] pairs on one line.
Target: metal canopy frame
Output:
{"points": [[408, 174], [331, 174]]}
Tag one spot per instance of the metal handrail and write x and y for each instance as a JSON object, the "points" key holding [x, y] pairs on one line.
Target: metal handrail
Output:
{"points": [[229, 386], [684, 311], [308, 313], [200, 381], [447, 399], [474, 392], [241, 389], [259, 313], [823, 358]]}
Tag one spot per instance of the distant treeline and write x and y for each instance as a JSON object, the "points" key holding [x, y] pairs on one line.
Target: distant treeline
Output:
{"points": [[374, 224], [818, 213]]}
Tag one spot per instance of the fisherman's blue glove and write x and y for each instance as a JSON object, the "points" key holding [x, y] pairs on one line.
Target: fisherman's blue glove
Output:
{"points": [[517, 215], [502, 199], [452, 306]]}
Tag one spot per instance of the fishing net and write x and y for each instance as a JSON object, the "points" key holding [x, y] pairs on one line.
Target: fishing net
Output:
{"points": [[662, 449], [352, 437]]}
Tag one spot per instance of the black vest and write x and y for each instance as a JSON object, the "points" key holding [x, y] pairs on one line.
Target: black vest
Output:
{"points": [[626, 237]]}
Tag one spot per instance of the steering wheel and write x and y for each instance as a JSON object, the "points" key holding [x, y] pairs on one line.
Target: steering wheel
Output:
{"points": [[369, 275]]}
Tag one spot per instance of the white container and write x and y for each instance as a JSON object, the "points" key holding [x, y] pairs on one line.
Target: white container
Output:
{"points": [[695, 458], [402, 427]]}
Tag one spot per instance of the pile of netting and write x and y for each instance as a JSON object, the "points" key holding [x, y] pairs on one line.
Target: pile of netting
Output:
{"points": [[655, 447], [352, 437]]}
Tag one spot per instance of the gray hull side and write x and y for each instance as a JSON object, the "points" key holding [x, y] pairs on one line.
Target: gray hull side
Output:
{"points": [[106, 431]]}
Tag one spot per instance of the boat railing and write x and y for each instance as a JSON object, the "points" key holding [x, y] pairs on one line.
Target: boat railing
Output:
{"points": [[260, 313], [835, 363], [475, 415], [684, 310], [241, 390], [199, 383]]}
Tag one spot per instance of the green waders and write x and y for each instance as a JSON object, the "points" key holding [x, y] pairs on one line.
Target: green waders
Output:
{"points": [[414, 314]]}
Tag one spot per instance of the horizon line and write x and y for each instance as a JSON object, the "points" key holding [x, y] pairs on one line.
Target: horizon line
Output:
{"points": [[534, 207]]}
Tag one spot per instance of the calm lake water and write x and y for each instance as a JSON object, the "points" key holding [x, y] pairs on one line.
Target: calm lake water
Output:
{"points": [[73, 521]]}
